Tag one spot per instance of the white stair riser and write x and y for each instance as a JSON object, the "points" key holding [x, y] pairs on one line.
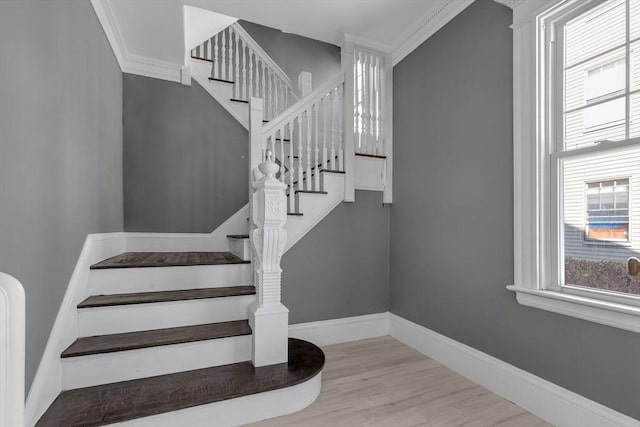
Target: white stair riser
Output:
{"points": [[234, 412], [142, 317], [240, 248], [129, 280], [86, 371]]}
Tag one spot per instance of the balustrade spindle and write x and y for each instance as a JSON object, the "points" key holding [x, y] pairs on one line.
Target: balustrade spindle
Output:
{"points": [[276, 106], [299, 163], [308, 158], [223, 60], [216, 66], [270, 78], [236, 57], [382, 150], [325, 117], [291, 168], [316, 149], [243, 89], [282, 134], [229, 69], [372, 119], [263, 86], [251, 93], [340, 128], [332, 153]]}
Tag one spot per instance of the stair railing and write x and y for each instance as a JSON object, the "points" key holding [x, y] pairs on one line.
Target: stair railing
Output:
{"points": [[236, 57], [12, 351], [306, 139]]}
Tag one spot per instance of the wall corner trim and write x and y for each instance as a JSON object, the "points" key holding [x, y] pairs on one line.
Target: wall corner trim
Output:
{"points": [[442, 12], [131, 63], [542, 398]]}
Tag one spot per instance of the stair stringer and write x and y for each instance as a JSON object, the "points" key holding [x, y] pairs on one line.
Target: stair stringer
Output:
{"points": [[315, 207], [220, 91]]}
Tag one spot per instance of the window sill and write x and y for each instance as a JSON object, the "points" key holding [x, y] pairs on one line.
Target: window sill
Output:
{"points": [[606, 313]]}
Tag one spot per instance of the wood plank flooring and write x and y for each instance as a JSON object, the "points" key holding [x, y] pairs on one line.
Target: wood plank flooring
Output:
{"points": [[168, 259], [382, 382]]}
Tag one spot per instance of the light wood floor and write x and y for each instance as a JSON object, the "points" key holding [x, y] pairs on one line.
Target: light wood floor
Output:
{"points": [[382, 382]]}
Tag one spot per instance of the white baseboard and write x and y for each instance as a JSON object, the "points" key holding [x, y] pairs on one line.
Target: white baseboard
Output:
{"points": [[542, 398], [335, 331]]}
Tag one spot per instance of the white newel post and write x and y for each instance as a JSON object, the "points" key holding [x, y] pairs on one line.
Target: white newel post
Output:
{"points": [[12, 351], [348, 122], [269, 319]]}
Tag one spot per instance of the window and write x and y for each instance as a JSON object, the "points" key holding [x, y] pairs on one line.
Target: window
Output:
{"points": [[577, 156], [607, 211]]}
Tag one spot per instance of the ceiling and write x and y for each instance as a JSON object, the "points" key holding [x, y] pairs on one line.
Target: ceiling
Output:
{"points": [[385, 22]]}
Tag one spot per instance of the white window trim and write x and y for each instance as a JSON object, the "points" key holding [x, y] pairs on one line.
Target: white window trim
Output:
{"points": [[532, 246]]}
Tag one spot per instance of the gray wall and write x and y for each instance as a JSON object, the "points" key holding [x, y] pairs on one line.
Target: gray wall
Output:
{"points": [[60, 150], [295, 54], [185, 158], [452, 225], [341, 267]]}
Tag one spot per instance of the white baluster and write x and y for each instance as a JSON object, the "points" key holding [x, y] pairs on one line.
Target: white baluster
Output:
{"points": [[236, 57], [223, 60], [263, 82], [325, 121], [251, 92], [299, 175], [382, 150], [282, 133], [230, 56], [216, 65], [243, 89], [340, 128], [276, 105], [270, 96], [316, 149], [372, 107], [308, 158], [291, 168], [332, 153]]}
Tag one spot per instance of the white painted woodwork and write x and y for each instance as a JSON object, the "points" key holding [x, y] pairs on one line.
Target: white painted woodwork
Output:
{"points": [[370, 173], [269, 318], [305, 83], [346, 329], [239, 411], [142, 317], [47, 384], [128, 280], [348, 68], [12, 351], [86, 371], [240, 248]]}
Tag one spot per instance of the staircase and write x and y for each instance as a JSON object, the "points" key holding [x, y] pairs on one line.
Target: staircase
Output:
{"points": [[189, 329]]}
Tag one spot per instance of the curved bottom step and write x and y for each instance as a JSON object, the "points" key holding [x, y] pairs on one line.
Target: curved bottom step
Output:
{"points": [[230, 394]]}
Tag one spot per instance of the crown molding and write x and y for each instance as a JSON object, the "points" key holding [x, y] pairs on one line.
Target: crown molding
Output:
{"points": [[131, 63], [442, 12], [366, 43]]}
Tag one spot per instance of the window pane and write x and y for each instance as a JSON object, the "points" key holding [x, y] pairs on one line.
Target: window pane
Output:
{"points": [[592, 125], [591, 33], [634, 18], [600, 207], [597, 78]]}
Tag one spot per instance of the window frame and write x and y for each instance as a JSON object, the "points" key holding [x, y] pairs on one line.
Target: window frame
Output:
{"points": [[536, 230]]}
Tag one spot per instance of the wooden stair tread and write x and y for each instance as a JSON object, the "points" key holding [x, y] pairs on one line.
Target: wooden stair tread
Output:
{"points": [[375, 156], [143, 339], [310, 192], [165, 296], [127, 400], [239, 100], [238, 236], [168, 259], [213, 79]]}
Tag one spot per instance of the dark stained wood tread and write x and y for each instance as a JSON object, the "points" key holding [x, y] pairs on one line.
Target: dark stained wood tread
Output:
{"points": [[310, 192], [331, 171], [201, 59], [244, 101], [213, 79], [143, 339], [168, 259], [371, 155], [238, 236], [127, 400], [295, 213], [165, 296]]}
